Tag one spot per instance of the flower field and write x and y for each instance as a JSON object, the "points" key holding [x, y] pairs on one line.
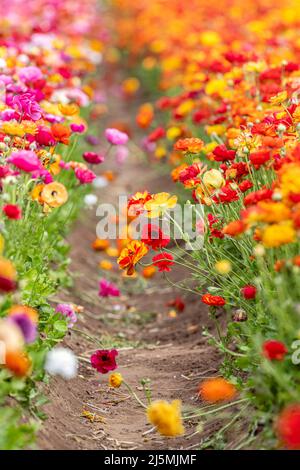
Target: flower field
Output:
{"points": [[182, 307]]}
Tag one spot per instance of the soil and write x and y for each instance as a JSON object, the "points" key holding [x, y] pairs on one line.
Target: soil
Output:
{"points": [[171, 352]]}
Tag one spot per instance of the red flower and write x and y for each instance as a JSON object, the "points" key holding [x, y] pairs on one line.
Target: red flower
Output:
{"points": [[259, 158], [61, 133], [222, 154], [157, 134], [213, 300], [12, 211], [274, 350], [153, 236], [288, 427], [163, 261], [248, 292], [245, 185], [104, 360], [226, 195], [177, 303]]}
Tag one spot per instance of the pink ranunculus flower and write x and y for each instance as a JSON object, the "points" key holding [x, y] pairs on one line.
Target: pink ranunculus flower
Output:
{"points": [[84, 175], [25, 160], [78, 128], [122, 153], [30, 74], [116, 137], [26, 105], [67, 311], [108, 289]]}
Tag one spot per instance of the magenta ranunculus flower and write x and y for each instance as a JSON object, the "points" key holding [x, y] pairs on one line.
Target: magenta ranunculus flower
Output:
{"points": [[26, 105], [77, 128], [25, 160], [104, 360], [84, 175], [108, 289], [116, 137], [93, 158]]}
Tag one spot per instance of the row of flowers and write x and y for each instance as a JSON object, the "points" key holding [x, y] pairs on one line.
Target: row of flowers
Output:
{"points": [[48, 54], [225, 116]]}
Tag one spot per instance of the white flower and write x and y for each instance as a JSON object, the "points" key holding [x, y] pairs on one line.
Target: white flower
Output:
{"points": [[90, 200], [100, 182], [63, 362]]}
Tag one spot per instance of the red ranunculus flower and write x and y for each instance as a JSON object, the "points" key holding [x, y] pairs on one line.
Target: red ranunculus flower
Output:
{"points": [[104, 360], [213, 300], [274, 350], [153, 236], [12, 211], [222, 154], [288, 427], [248, 292], [177, 303], [163, 261]]}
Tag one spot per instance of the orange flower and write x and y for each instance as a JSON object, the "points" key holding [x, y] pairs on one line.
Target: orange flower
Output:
{"points": [[217, 389], [149, 272], [100, 245], [131, 255], [145, 115], [61, 133], [192, 145], [54, 194], [234, 228], [18, 363]]}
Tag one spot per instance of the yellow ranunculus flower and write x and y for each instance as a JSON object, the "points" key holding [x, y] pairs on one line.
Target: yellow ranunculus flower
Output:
{"points": [[166, 417], [159, 204], [115, 380], [213, 179]]}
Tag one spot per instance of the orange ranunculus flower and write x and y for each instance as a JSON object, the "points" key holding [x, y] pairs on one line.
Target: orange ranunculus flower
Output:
{"points": [[145, 115], [54, 194], [61, 133], [18, 363], [234, 228], [100, 245], [131, 255], [192, 145], [216, 390]]}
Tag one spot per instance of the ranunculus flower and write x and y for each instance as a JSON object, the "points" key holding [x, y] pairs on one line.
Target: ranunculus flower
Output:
{"points": [[153, 236], [12, 211], [26, 325], [163, 261], [248, 292], [84, 175], [93, 158], [67, 311], [108, 289], [104, 360], [287, 427], [26, 105], [122, 153], [116, 137], [77, 128], [63, 362], [25, 160], [274, 350], [213, 300]]}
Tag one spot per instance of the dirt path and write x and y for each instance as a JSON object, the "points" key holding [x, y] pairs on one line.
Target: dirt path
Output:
{"points": [[171, 352]]}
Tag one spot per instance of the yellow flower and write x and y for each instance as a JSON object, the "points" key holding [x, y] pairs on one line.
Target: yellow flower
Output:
{"points": [[68, 109], [223, 266], [278, 234], [213, 179], [160, 203], [279, 98], [166, 417], [130, 85], [13, 128], [106, 265], [115, 380]]}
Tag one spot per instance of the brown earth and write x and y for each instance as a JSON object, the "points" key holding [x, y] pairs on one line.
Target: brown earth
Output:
{"points": [[171, 352]]}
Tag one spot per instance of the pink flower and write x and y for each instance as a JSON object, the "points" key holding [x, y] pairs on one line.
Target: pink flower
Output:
{"points": [[30, 74], [84, 175], [27, 106], [104, 360], [67, 311], [116, 137], [121, 154], [12, 211], [108, 289], [44, 137], [93, 158], [25, 160]]}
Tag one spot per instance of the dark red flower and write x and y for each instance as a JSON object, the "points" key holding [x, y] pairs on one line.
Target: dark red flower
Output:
{"points": [[93, 158], [12, 211], [213, 300], [153, 236], [274, 350], [104, 360], [163, 261], [288, 427], [177, 303], [248, 292]]}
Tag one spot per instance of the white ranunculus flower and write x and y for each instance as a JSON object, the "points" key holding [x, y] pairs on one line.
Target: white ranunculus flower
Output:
{"points": [[100, 182], [90, 200], [63, 362]]}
